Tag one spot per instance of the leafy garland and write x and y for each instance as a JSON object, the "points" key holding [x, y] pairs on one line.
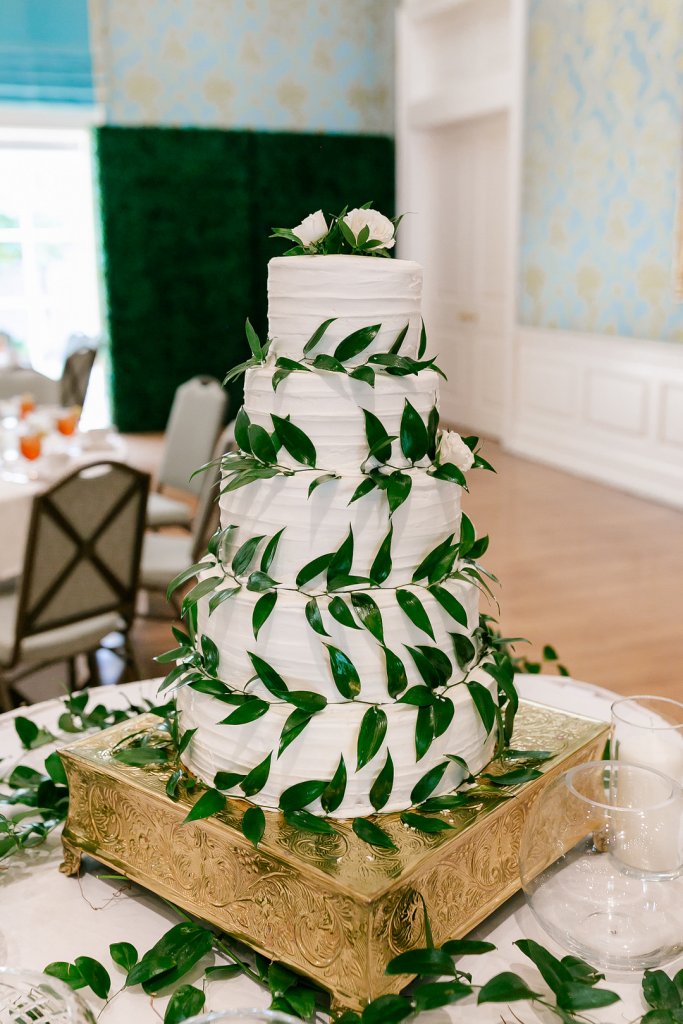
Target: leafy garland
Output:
{"points": [[338, 238]]}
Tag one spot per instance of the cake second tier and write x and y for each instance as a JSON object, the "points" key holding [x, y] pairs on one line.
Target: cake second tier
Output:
{"points": [[317, 524]]}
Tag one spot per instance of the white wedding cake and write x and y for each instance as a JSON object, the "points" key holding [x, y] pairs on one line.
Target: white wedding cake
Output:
{"points": [[341, 667]]}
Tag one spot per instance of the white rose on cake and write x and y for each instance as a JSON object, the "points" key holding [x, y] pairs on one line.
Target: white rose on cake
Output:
{"points": [[453, 449], [312, 228], [380, 227]]}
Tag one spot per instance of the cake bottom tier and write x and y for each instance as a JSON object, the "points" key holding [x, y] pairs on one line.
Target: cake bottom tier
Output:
{"points": [[332, 733]]}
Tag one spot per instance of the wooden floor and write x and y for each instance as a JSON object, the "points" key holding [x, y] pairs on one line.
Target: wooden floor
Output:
{"points": [[592, 571]]}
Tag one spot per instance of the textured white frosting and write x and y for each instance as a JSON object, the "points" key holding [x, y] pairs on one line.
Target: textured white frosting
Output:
{"points": [[304, 291], [315, 753], [328, 407], [319, 524], [297, 652]]}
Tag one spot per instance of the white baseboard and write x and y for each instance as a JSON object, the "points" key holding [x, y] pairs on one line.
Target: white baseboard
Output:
{"points": [[607, 408]]}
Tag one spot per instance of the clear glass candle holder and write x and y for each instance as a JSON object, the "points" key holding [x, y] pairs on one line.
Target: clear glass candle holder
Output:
{"points": [[601, 864], [241, 1016], [649, 731], [31, 996]]}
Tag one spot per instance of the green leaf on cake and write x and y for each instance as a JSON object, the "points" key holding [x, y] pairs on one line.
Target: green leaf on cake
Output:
{"points": [[422, 347], [333, 794], [380, 791], [381, 567], [244, 479], [414, 436], [325, 362], [204, 587], [343, 672], [341, 560], [340, 611], [424, 731], [372, 834], [364, 373], [363, 488], [309, 822], [400, 338], [398, 487], [256, 778], [434, 666], [425, 824], [314, 617], [262, 610], [209, 654], [447, 471], [185, 575], [262, 445], [379, 442], [254, 825], [369, 614], [294, 440], [293, 727], [254, 342], [325, 478], [432, 431], [313, 568], [301, 794], [273, 682], [209, 803], [307, 700], [227, 780], [467, 535], [284, 367], [248, 712], [464, 649], [221, 596], [244, 555], [412, 606], [479, 548], [449, 603], [428, 783], [317, 335], [269, 551], [373, 729], [442, 713], [429, 563], [356, 342], [396, 673], [484, 703], [259, 582]]}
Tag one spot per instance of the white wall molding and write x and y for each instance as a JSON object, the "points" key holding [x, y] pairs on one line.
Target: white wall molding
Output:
{"points": [[608, 408]]}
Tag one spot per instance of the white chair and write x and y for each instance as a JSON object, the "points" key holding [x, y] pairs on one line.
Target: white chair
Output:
{"points": [[196, 416], [164, 555], [80, 574]]}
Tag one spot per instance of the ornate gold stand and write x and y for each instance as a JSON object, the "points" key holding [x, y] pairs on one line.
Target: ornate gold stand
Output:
{"points": [[329, 906]]}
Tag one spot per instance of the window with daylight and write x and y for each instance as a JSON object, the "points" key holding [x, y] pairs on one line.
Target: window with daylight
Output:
{"points": [[48, 264]]}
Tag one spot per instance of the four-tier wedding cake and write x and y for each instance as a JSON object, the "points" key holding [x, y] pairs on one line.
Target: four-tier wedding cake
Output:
{"points": [[341, 668]]}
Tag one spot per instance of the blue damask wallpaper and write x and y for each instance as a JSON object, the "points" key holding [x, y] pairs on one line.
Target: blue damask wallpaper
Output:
{"points": [[313, 65], [602, 166]]}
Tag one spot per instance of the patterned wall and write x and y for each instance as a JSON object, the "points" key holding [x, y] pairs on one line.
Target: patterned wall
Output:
{"points": [[602, 163], [313, 65]]}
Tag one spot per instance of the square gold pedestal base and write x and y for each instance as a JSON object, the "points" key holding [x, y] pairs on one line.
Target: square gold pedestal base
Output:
{"points": [[329, 906]]}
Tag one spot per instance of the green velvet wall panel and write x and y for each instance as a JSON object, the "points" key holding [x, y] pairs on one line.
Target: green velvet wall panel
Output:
{"points": [[186, 215]]}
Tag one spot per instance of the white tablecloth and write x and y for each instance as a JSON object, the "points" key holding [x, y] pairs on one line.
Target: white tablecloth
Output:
{"points": [[20, 481], [45, 916]]}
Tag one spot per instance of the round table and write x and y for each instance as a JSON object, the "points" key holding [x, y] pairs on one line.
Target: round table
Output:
{"points": [[45, 916]]}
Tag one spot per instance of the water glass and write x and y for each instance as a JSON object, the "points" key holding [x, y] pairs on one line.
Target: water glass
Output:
{"points": [[30, 996], [601, 864], [649, 731]]}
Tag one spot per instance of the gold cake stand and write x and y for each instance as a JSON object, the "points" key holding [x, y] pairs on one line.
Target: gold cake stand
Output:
{"points": [[329, 906]]}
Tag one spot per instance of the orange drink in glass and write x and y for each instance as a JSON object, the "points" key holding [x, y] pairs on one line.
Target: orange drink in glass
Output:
{"points": [[67, 420], [27, 404], [30, 445]]}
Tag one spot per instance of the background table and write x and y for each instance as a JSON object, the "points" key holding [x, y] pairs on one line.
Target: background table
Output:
{"points": [[18, 488], [45, 916]]}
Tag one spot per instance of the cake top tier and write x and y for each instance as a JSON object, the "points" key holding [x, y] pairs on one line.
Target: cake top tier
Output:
{"points": [[305, 291]]}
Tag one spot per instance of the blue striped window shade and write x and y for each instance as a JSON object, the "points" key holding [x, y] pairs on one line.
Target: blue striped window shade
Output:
{"points": [[45, 54]]}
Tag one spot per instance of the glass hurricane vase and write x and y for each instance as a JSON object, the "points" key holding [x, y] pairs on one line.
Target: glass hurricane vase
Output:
{"points": [[601, 864]]}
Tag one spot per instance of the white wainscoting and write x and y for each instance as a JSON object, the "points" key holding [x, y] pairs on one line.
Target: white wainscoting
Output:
{"points": [[608, 408]]}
